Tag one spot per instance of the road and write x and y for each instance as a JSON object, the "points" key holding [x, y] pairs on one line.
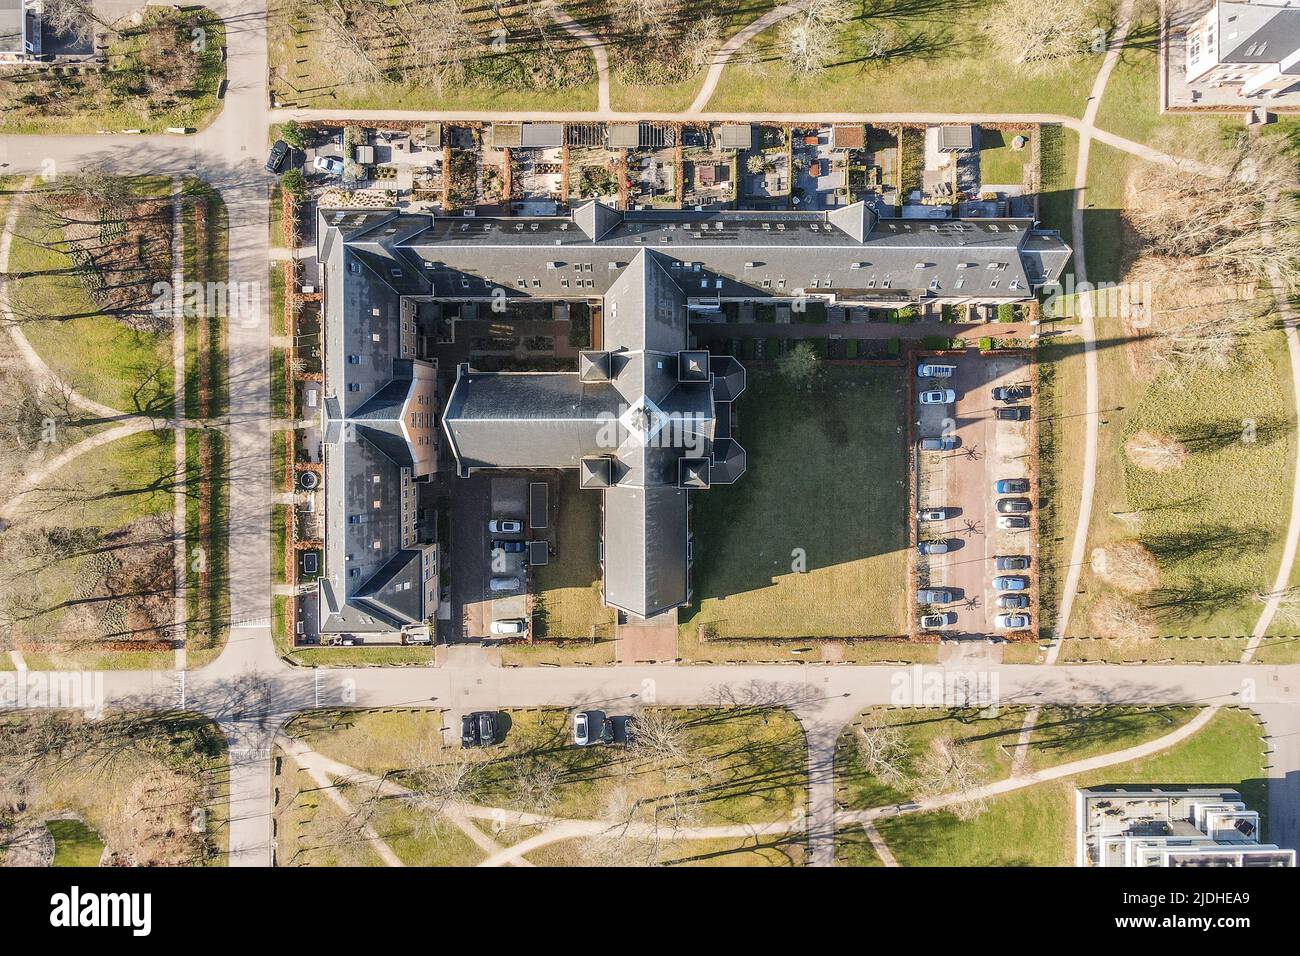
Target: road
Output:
{"points": [[250, 692]]}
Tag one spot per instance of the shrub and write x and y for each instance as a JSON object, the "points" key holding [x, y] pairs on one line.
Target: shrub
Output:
{"points": [[772, 348], [893, 346], [851, 349], [1006, 313], [986, 344], [936, 342]]}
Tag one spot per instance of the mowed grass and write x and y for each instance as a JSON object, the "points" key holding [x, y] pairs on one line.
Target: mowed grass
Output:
{"points": [[1060, 735], [125, 480], [1000, 164], [103, 359], [749, 764], [566, 590], [75, 844], [950, 69], [824, 490], [1035, 826]]}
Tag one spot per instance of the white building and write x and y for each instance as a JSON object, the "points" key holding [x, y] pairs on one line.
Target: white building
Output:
{"points": [[1253, 46], [1159, 826], [20, 30]]}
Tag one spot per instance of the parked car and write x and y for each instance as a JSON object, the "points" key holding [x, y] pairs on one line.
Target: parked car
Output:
{"points": [[1011, 562], [468, 731], [1011, 486], [1010, 582], [487, 728], [1013, 523], [933, 596], [279, 153], [1008, 622], [509, 547], [932, 514], [932, 547], [935, 370], [1011, 393], [504, 526], [1013, 602], [946, 443], [943, 619], [504, 584], [607, 731], [1014, 413], [1014, 506], [511, 625], [581, 729], [329, 164], [938, 396]]}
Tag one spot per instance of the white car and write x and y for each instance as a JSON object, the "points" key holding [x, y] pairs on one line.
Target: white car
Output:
{"points": [[510, 626], [504, 526], [504, 584], [934, 621], [581, 729], [329, 164], [932, 514], [1007, 622], [938, 396]]}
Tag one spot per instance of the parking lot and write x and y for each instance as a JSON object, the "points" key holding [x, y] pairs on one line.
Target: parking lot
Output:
{"points": [[960, 482], [476, 564]]}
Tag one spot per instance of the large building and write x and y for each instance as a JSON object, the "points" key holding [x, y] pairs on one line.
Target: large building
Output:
{"points": [[1169, 826], [644, 418], [1251, 46]]}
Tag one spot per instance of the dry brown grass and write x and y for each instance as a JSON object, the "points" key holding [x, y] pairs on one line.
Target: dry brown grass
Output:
{"points": [[1119, 619]]}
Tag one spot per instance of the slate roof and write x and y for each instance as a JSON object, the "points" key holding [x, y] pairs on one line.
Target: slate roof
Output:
{"points": [[624, 404]]}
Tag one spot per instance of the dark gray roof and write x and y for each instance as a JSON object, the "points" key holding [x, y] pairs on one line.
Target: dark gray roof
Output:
{"points": [[627, 405], [1257, 32], [645, 549]]}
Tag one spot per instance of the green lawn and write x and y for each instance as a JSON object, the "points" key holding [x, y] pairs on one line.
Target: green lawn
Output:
{"points": [[1035, 826], [566, 591], [205, 322], [951, 71], [207, 580], [825, 485], [84, 100], [746, 765], [279, 387], [1060, 735], [999, 163], [75, 844], [104, 359]]}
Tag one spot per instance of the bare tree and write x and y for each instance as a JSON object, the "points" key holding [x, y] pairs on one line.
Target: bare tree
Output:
{"points": [[1121, 621], [1153, 452], [1036, 34], [73, 18], [947, 769], [882, 749], [1288, 603], [1182, 214], [1127, 565], [808, 45]]}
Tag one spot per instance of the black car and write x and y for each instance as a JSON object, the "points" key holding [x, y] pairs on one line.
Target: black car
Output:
{"points": [[487, 728], [607, 731], [509, 547], [1011, 562], [468, 731], [1013, 506], [1013, 602], [1011, 393], [1015, 413], [279, 153]]}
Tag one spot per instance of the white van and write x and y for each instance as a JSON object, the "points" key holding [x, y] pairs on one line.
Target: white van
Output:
{"points": [[933, 370]]}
